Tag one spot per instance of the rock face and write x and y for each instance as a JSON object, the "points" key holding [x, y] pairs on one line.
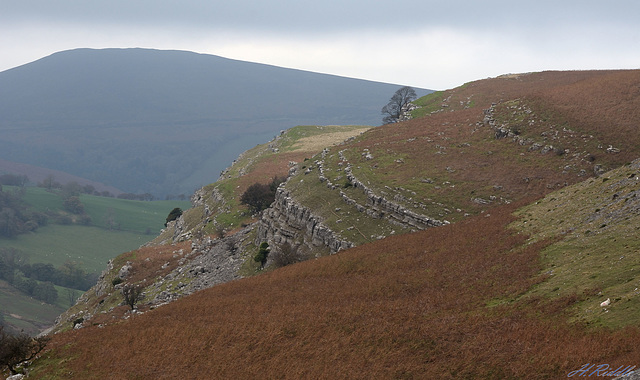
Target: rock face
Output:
{"points": [[209, 263], [287, 221]]}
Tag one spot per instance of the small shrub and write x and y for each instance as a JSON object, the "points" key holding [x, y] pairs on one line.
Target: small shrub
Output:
{"points": [[263, 253], [286, 255]]}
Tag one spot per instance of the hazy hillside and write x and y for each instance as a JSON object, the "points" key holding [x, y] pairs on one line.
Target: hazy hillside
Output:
{"points": [[164, 122], [37, 174], [487, 232]]}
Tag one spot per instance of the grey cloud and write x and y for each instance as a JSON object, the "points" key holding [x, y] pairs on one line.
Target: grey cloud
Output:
{"points": [[324, 16]]}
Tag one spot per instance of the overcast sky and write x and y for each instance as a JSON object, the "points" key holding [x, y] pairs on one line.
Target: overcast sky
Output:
{"points": [[423, 43]]}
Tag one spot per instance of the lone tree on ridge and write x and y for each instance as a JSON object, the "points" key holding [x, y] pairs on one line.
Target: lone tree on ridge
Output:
{"points": [[398, 104]]}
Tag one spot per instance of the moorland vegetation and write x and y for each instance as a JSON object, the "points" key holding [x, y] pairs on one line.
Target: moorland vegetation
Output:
{"points": [[534, 178]]}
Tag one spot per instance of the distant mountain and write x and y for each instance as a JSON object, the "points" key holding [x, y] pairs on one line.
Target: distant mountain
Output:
{"points": [[164, 121]]}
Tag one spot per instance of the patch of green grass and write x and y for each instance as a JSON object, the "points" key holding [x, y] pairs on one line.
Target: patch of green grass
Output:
{"points": [[589, 260], [28, 313], [42, 200], [127, 215], [136, 216], [91, 247], [428, 103], [342, 218], [52, 363]]}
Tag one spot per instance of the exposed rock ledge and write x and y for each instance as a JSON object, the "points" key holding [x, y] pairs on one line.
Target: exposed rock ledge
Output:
{"points": [[393, 211], [378, 206], [289, 222]]}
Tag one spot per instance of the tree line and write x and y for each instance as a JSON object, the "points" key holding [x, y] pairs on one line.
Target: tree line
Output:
{"points": [[51, 184], [15, 218], [37, 280]]}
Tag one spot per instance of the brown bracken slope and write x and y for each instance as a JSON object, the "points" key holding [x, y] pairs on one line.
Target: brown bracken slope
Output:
{"points": [[426, 305]]}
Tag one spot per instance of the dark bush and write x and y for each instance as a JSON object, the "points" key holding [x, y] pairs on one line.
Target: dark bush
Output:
{"points": [[73, 205], [263, 252], [260, 196], [285, 255], [173, 215]]}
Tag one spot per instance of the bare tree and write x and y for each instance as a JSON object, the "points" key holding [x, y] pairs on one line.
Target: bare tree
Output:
{"points": [[398, 104], [17, 349], [285, 255], [132, 294]]}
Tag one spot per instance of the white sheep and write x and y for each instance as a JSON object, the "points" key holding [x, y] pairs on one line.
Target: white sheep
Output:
{"points": [[605, 303]]}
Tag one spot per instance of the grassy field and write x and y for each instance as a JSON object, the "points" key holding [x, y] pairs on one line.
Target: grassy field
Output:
{"points": [[89, 246], [26, 313], [135, 223], [134, 216], [596, 257]]}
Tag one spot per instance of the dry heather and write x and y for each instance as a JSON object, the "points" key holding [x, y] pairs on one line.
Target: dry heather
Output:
{"points": [[425, 305]]}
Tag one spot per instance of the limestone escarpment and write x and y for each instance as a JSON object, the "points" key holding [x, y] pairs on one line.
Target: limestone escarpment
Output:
{"points": [[287, 221], [290, 221], [377, 206]]}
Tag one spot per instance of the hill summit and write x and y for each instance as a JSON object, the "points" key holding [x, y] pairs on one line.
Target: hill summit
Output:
{"points": [[164, 122]]}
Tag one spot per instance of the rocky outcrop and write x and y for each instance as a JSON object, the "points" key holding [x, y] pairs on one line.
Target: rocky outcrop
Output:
{"points": [[210, 262], [379, 206], [287, 221]]}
